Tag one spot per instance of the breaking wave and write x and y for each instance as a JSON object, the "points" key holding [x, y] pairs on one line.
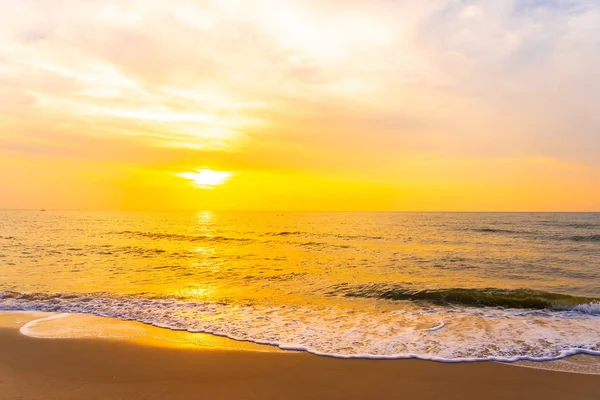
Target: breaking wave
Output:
{"points": [[490, 297], [440, 333]]}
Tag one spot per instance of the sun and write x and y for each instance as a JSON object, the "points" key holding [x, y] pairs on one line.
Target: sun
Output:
{"points": [[207, 178]]}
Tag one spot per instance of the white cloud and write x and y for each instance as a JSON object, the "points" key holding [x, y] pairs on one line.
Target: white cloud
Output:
{"points": [[520, 74], [471, 11]]}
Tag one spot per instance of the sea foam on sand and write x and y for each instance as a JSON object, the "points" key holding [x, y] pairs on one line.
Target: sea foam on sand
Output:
{"points": [[81, 326], [42, 325]]}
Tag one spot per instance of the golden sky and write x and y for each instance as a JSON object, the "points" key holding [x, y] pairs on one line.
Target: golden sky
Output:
{"points": [[435, 105]]}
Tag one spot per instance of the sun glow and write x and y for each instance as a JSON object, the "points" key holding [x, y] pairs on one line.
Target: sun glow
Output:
{"points": [[310, 105], [207, 178]]}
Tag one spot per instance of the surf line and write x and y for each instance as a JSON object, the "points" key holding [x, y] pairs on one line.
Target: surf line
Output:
{"points": [[436, 328], [27, 329]]}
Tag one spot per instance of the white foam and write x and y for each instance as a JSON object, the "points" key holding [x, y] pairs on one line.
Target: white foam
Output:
{"points": [[436, 328], [464, 334], [29, 328], [577, 364], [590, 308]]}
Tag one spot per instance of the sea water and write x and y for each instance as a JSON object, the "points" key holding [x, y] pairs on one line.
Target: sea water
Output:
{"points": [[440, 286]]}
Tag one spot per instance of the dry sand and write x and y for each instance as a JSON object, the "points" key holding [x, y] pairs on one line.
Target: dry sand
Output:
{"points": [[32, 368]]}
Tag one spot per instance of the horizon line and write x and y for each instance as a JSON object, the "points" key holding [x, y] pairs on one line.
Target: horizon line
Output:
{"points": [[307, 211]]}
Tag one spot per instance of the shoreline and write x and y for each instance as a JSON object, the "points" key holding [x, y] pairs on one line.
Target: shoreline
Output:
{"points": [[61, 325], [100, 368]]}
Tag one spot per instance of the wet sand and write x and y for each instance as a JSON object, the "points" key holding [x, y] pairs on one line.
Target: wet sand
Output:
{"points": [[33, 368]]}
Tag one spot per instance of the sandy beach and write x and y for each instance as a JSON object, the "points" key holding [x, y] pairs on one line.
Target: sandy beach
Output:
{"points": [[34, 368], [299, 199]]}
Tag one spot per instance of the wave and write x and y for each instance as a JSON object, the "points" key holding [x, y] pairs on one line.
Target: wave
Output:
{"points": [[495, 230], [576, 225], [441, 334], [575, 238], [180, 237], [329, 235], [358, 237], [284, 233], [585, 238], [320, 245], [489, 297], [209, 238], [508, 232], [313, 244]]}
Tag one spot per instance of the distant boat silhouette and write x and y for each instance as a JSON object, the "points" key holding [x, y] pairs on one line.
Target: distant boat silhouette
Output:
{"points": [[43, 209]]}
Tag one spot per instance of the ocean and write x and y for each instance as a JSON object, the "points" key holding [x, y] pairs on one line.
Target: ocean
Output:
{"points": [[438, 286]]}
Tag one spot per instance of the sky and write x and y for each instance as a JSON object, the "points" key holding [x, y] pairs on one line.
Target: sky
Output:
{"points": [[396, 105]]}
